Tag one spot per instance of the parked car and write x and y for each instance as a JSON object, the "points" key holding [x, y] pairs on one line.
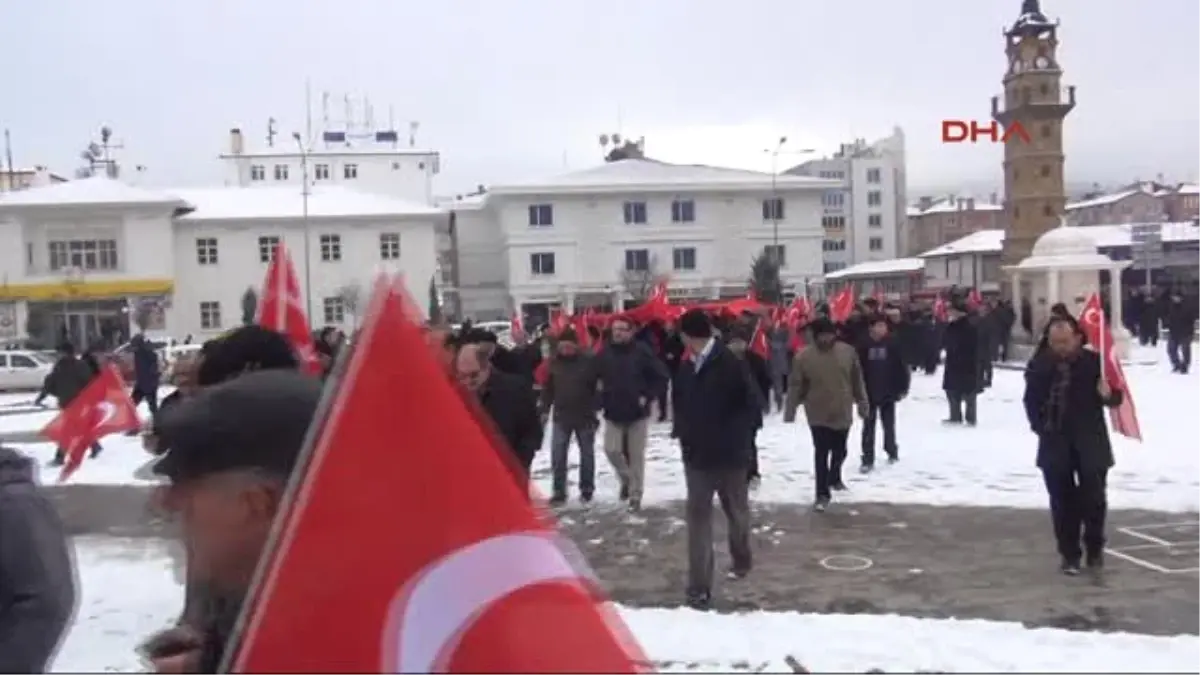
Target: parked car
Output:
{"points": [[23, 369]]}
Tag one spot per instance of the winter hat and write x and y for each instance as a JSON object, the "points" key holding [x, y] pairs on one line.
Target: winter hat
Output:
{"points": [[695, 324], [822, 326]]}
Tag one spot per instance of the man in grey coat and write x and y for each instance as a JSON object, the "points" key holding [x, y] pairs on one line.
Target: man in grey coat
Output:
{"points": [[37, 576]]}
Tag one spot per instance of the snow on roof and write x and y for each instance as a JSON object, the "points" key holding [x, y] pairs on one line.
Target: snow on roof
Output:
{"points": [[874, 268], [332, 150], [97, 190], [463, 202], [983, 241], [1187, 189], [1105, 200], [324, 201], [649, 174], [953, 204]]}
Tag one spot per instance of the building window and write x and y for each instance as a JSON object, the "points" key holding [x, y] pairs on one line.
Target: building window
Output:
{"points": [[635, 213], [772, 209], [389, 246], [776, 252], [873, 176], [206, 251], [266, 248], [258, 172], [281, 172], [832, 245], [833, 222], [1045, 170], [875, 243], [321, 171], [874, 220], [834, 266], [331, 247], [350, 171], [637, 260], [1047, 131], [1048, 210], [92, 254], [683, 211], [541, 215], [874, 198], [683, 259], [833, 199], [335, 311], [210, 315], [541, 264]]}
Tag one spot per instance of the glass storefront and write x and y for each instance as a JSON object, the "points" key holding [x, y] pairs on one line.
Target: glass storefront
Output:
{"points": [[101, 324]]}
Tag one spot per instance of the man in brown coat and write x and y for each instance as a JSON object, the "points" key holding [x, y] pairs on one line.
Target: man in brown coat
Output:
{"points": [[827, 378]]}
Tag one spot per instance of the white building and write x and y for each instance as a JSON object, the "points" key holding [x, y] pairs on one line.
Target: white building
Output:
{"points": [[972, 261], [372, 161], [89, 257], [479, 272], [863, 219], [600, 237]]}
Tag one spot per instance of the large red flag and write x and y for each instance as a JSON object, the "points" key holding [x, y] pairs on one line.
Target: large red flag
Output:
{"points": [[841, 304], [282, 308], [516, 325], [941, 312], [102, 408], [1091, 321], [462, 575], [974, 299], [758, 341]]}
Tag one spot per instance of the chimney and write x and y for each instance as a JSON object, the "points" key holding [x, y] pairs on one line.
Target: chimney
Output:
{"points": [[925, 203], [236, 143], [971, 204], [958, 202], [993, 198]]}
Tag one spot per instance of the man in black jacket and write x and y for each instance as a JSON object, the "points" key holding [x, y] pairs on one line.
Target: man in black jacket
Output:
{"points": [[630, 378], [67, 379], [960, 372], [1065, 396], [715, 411], [760, 375], [37, 580], [1181, 330], [508, 401], [886, 378]]}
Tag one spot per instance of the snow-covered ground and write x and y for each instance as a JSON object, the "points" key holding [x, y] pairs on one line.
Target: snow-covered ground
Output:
{"points": [[129, 590]]}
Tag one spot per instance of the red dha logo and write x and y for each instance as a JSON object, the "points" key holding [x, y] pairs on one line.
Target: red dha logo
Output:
{"points": [[960, 131]]}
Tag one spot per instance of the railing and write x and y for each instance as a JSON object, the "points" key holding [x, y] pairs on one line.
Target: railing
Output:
{"points": [[1028, 96]]}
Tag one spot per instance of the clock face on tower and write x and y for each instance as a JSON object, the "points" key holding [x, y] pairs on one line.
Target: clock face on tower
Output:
{"points": [[1042, 62]]}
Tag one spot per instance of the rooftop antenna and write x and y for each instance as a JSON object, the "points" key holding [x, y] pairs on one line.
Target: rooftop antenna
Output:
{"points": [[349, 113], [412, 133], [325, 110], [8, 157], [368, 113], [272, 132], [308, 122], [604, 141]]}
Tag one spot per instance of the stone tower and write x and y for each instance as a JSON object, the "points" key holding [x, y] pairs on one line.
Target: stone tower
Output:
{"points": [[1034, 192]]}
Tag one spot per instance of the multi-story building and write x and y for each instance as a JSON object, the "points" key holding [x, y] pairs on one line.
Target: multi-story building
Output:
{"points": [[93, 258], [972, 261], [864, 218], [12, 180], [933, 222], [480, 289], [1182, 202], [602, 237], [1139, 203]]}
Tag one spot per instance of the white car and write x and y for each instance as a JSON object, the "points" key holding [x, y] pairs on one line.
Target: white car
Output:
{"points": [[23, 370]]}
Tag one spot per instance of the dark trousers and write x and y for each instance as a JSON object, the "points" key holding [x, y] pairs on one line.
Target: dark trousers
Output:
{"points": [[752, 472], [733, 493], [560, 442], [829, 453], [885, 414], [1078, 505], [60, 455], [662, 398], [149, 395], [1148, 335], [985, 372], [1179, 350], [962, 406]]}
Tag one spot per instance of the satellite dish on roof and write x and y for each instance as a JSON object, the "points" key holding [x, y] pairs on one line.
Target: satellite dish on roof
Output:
{"points": [[604, 140], [616, 139]]}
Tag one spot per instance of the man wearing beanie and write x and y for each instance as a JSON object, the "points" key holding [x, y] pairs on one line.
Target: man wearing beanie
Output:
{"points": [[716, 409], [827, 378], [570, 390]]}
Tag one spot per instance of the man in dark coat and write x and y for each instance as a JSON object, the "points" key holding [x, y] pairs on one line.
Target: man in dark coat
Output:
{"points": [[716, 408], [146, 374], [760, 375], [960, 372], [570, 389], [1181, 330], [630, 378], [1065, 397], [66, 380], [508, 401], [37, 580], [886, 378]]}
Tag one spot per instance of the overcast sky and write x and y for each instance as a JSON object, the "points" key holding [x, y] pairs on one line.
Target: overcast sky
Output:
{"points": [[515, 89]]}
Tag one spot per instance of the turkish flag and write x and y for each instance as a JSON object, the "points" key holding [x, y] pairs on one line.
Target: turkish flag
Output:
{"points": [[974, 299], [758, 341], [841, 304], [1091, 321], [282, 308], [462, 574], [941, 313], [102, 408], [558, 322], [516, 325]]}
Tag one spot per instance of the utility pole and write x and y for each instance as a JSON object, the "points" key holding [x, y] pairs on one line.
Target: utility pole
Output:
{"points": [[775, 199], [12, 177], [304, 193]]}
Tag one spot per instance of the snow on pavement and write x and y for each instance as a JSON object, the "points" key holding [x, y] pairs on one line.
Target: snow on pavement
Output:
{"points": [[129, 590]]}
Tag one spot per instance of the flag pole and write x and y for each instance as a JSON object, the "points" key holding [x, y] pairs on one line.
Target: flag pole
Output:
{"points": [[1100, 336]]}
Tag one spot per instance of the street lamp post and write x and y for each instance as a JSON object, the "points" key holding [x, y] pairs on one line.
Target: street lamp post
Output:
{"points": [[776, 204], [304, 193]]}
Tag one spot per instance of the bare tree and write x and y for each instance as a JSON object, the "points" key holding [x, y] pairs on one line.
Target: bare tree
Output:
{"points": [[351, 296], [639, 283]]}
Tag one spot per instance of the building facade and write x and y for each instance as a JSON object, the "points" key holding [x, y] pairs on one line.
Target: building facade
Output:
{"points": [[864, 218], [602, 237], [12, 180], [893, 279], [1034, 98], [1136, 205], [972, 261], [936, 222], [95, 260]]}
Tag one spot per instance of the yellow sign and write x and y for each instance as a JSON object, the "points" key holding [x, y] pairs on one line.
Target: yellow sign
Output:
{"points": [[86, 290]]}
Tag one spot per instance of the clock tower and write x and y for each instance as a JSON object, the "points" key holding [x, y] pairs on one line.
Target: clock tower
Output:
{"points": [[1034, 98]]}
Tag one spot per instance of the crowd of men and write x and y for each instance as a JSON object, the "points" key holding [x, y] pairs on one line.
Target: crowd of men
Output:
{"points": [[699, 374]]}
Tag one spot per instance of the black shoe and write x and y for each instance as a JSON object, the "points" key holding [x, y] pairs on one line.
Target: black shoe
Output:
{"points": [[839, 486], [866, 467], [892, 459], [96, 452], [1069, 567], [663, 419], [952, 421], [57, 461], [701, 602], [635, 505], [1095, 560], [735, 574], [624, 492], [821, 504], [557, 501], [585, 497], [970, 423]]}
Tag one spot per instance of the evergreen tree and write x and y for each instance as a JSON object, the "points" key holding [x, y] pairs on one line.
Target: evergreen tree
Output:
{"points": [[764, 279]]}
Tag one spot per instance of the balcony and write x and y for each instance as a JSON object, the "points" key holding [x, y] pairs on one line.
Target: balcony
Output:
{"points": [[1029, 103]]}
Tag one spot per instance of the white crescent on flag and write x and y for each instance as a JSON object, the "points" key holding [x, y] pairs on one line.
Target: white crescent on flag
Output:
{"points": [[436, 608], [1092, 316], [107, 410]]}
